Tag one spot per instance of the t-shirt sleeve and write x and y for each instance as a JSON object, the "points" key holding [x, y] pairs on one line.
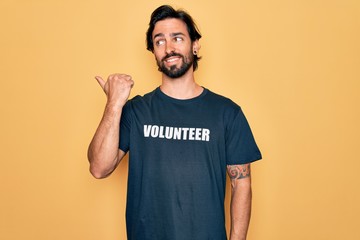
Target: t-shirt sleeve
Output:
{"points": [[125, 126], [241, 147]]}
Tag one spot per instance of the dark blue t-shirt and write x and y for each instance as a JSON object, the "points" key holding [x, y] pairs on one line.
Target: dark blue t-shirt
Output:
{"points": [[178, 152]]}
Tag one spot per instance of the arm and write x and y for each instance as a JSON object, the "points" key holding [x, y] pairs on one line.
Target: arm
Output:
{"points": [[240, 206], [103, 152]]}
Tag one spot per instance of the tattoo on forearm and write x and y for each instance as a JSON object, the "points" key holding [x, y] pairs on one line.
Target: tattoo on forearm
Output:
{"points": [[238, 171]]}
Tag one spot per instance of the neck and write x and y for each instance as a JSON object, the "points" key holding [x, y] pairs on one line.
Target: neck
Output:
{"points": [[183, 87]]}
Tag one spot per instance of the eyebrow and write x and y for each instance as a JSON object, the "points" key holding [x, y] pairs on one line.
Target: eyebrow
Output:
{"points": [[177, 34], [172, 34], [158, 35]]}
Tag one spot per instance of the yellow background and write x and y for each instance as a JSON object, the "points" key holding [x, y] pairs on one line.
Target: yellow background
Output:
{"points": [[293, 66]]}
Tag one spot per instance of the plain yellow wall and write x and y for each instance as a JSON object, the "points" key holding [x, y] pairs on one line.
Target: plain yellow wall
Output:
{"points": [[293, 66]]}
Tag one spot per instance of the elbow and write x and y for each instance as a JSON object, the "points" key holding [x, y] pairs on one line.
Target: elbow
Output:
{"points": [[96, 169], [101, 167], [98, 173]]}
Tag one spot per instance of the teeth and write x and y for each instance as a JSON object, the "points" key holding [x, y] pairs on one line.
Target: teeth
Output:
{"points": [[171, 59]]}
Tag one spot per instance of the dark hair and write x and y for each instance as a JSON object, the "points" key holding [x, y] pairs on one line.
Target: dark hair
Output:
{"points": [[166, 11]]}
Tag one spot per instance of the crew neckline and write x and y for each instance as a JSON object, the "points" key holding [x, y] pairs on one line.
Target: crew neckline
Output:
{"points": [[176, 100]]}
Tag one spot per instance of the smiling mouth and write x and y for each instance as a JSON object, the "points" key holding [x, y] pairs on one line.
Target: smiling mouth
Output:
{"points": [[172, 59]]}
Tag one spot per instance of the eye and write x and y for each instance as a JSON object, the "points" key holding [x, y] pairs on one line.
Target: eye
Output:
{"points": [[160, 42], [178, 39]]}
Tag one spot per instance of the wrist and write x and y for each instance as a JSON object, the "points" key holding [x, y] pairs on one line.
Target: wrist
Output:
{"points": [[112, 112], [114, 106], [233, 237], [237, 236]]}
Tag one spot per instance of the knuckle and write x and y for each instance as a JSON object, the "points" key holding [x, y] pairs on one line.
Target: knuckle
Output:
{"points": [[119, 79]]}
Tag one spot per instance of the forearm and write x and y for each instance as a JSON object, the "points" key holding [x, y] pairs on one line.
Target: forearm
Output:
{"points": [[103, 150], [240, 212], [240, 206]]}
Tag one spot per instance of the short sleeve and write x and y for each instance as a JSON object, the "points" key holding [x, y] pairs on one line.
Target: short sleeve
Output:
{"points": [[125, 126], [241, 147]]}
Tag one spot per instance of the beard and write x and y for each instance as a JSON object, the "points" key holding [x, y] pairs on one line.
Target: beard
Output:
{"points": [[173, 71]]}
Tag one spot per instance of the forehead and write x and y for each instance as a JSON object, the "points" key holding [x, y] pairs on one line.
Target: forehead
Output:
{"points": [[169, 26]]}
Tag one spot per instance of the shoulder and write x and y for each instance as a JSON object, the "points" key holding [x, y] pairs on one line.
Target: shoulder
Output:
{"points": [[146, 97], [139, 100], [222, 102], [139, 104]]}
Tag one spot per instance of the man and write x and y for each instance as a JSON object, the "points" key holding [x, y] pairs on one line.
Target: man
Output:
{"points": [[181, 139]]}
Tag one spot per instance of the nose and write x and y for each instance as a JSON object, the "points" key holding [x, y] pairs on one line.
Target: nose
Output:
{"points": [[169, 47]]}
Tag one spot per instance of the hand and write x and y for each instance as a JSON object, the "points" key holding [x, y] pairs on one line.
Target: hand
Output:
{"points": [[117, 88]]}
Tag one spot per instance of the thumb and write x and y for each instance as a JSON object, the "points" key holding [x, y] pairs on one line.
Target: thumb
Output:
{"points": [[100, 81]]}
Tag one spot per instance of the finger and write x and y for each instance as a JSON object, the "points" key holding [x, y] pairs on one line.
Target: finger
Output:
{"points": [[100, 81]]}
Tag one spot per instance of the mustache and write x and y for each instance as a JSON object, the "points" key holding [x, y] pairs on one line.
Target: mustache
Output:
{"points": [[172, 55]]}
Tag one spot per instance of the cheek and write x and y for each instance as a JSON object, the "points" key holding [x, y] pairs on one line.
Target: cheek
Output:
{"points": [[158, 55], [157, 58]]}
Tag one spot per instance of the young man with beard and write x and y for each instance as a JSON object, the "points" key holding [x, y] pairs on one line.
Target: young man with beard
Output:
{"points": [[181, 139]]}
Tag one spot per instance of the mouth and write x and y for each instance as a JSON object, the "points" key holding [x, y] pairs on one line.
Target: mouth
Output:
{"points": [[173, 59]]}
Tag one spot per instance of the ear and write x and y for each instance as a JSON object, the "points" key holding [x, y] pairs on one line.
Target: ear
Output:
{"points": [[196, 47]]}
